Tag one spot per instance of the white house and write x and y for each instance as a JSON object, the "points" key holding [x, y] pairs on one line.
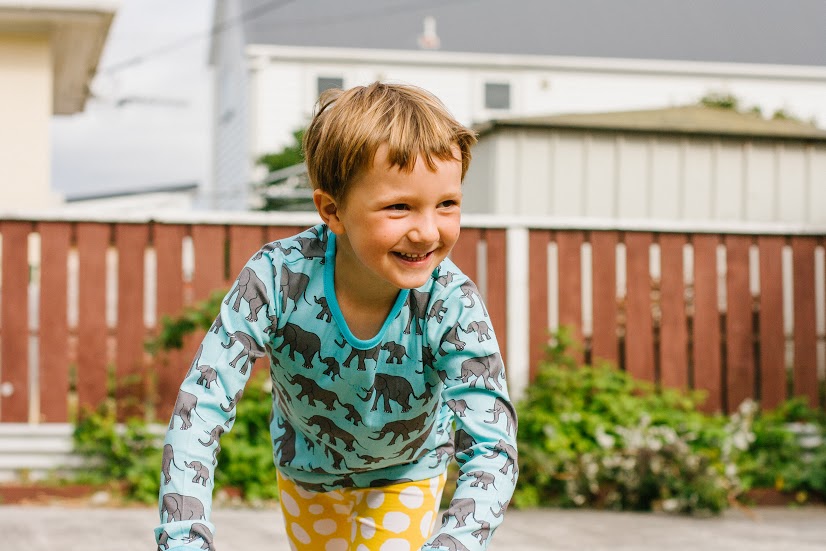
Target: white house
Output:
{"points": [[270, 64], [49, 51]]}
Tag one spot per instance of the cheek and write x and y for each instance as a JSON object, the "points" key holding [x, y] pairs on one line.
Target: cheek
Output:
{"points": [[450, 232]]}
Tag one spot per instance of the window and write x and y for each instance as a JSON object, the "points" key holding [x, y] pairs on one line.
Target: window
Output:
{"points": [[325, 83], [497, 95]]}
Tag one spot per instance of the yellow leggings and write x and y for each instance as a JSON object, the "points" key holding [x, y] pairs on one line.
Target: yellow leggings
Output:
{"points": [[399, 517]]}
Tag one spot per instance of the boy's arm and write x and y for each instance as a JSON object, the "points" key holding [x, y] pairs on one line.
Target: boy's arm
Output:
{"points": [[485, 425], [206, 405]]}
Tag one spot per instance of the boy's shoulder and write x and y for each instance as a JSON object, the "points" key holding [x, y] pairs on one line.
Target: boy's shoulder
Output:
{"points": [[308, 245], [449, 281]]}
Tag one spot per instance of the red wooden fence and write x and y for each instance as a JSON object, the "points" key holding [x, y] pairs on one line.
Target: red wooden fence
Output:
{"points": [[736, 315]]}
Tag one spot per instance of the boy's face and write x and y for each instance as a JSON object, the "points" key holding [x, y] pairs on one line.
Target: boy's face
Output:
{"points": [[395, 227]]}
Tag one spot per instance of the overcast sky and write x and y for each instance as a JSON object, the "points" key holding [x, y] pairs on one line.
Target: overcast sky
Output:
{"points": [[160, 133]]}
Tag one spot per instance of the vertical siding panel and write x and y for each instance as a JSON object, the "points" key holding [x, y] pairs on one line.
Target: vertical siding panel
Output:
{"points": [[673, 325], [739, 350], [569, 246], [92, 332], [168, 241], [54, 324], [805, 330], [243, 242], [464, 254], [538, 241], [496, 299], [14, 321], [772, 340], [131, 241], [706, 348], [639, 334], [604, 342]]}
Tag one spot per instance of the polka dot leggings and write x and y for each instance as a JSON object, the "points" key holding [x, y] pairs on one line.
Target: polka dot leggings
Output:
{"points": [[399, 517]]}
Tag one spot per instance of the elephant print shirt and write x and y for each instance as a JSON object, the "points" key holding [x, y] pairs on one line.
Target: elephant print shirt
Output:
{"points": [[348, 412]]}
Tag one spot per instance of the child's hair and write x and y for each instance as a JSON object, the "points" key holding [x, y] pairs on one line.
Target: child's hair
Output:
{"points": [[349, 126]]}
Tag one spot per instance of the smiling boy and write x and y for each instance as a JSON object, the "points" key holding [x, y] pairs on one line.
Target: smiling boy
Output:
{"points": [[362, 447]]}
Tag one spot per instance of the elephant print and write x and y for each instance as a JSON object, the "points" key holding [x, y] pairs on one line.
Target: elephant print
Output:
{"points": [[312, 247], [284, 445], [452, 336], [402, 428], [167, 461], [202, 532], [208, 375], [415, 447], [201, 472], [333, 367], [397, 352], [163, 541], [179, 507], [313, 392], [469, 291], [249, 287], [214, 436], [325, 314], [361, 354], [217, 324], [460, 509], [298, 340], [483, 479], [250, 350], [332, 431], [184, 405], [458, 407], [417, 305], [488, 368], [501, 407], [502, 508], [446, 279], [269, 247], [437, 311], [195, 360], [464, 443], [293, 286], [483, 532], [232, 401], [448, 542], [510, 463], [352, 414], [481, 328], [390, 388]]}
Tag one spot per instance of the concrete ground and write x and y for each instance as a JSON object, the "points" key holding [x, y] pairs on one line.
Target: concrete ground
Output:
{"points": [[47, 528]]}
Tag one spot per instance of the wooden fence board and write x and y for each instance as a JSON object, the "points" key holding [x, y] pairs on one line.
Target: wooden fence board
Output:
{"points": [[92, 331], [208, 243], [805, 330], [673, 321], [604, 341], [639, 331], [243, 242], [707, 365], [55, 240], [465, 254], [14, 321], [772, 362], [280, 232], [739, 373], [496, 299], [569, 252], [131, 241], [172, 365], [538, 241]]}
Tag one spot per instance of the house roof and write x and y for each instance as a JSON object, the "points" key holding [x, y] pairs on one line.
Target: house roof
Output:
{"points": [[767, 31], [167, 188], [691, 119]]}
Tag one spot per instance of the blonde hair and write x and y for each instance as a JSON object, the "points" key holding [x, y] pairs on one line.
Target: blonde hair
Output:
{"points": [[349, 126]]}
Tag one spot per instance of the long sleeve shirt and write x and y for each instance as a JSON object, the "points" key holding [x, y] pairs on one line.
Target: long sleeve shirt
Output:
{"points": [[347, 412]]}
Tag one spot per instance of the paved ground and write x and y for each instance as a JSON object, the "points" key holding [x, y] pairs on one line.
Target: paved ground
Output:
{"points": [[50, 528]]}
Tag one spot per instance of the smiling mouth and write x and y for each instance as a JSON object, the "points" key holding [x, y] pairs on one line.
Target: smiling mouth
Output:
{"points": [[413, 257]]}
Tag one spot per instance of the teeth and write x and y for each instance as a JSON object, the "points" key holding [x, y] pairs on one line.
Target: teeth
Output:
{"points": [[413, 256]]}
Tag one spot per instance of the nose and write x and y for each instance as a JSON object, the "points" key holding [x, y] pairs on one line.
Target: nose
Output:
{"points": [[425, 229]]}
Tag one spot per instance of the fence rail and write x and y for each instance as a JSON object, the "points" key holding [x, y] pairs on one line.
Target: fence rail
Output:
{"points": [[739, 314]]}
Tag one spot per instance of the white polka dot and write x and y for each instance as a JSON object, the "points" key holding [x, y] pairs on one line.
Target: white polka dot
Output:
{"points": [[362, 547], [304, 494], [427, 523], [396, 522], [316, 509], [354, 531], [292, 546], [325, 527], [375, 499], [337, 544], [290, 504], [412, 497], [434, 485], [368, 528], [341, 509], [395, 544], [299, 533]]}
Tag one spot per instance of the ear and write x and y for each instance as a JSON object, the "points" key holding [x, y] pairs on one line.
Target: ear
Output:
{"points": [[328, 210]]}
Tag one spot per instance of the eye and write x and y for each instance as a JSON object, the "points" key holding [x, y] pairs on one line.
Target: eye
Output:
{"points": [[449, 203], [398, 206]]}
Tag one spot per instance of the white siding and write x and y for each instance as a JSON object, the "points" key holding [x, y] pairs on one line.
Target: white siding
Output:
{"points": [[728, 181], [817, 185], [761, 196], [599, 188], [632, 177], [697, 193], [569, 159], [666, 179], [792, 184]]}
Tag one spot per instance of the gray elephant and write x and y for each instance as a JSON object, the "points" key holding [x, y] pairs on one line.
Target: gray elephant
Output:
{"points": [[298, 340], [184, 405], [501, 407], [481, 328], [325, 314], [208, 375], [214, 436], [250, 288], [488, 368], [179, 507], [458, 407], [332, 431], [402, 428], [352, 414], [313, 392], [483, 532], [390, 388], [167, 461], [200, 531], [361, 354], [502, 508], [510, 452], [483, 478], [469, 291], [416, 446], [452, 336], [232, 401], [460, 509], [417, 306], [464, 443], [445, 280], [163, 541], [437, 310], [313, 247], [250, 350], [333, 367], [195, 360], [201, 472], [269, 247], [217, 324], [396, 350], [284, 445], [293, 286]]}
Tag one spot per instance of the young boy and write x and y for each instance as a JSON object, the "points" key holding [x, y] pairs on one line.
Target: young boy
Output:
{"points": [[383, 361]]}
